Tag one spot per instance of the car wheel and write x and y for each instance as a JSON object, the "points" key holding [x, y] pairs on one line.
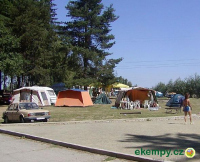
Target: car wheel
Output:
{"points": [[6, 119], [22, 119], [45, 120]]}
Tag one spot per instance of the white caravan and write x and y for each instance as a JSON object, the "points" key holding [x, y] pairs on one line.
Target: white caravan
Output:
{"points": [[43, 96]]}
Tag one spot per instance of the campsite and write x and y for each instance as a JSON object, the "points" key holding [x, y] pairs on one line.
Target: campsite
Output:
{"points": [[105, 112], [78, 105]]}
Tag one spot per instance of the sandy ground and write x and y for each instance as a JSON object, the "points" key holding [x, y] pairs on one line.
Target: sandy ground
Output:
{"points": [[134, 136], [14, 148]]}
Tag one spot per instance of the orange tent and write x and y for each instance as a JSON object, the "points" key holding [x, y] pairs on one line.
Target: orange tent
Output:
{"points": [[74, 97], [140, 94], [137, 93]]}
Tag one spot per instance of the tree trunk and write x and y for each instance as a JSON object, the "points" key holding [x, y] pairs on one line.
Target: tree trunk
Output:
{"points": [[0, 79], [4, 82], [18, 82]]}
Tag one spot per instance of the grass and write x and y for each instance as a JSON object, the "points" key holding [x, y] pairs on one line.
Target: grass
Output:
{"points": [[110, 158], [104, 112]]}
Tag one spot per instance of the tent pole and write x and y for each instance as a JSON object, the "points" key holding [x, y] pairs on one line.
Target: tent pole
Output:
{"points": [[31, 96]]}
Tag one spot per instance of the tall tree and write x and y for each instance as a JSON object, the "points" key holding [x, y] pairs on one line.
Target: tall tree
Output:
{"points": [[170, 86], [179, 86], [10, 60], [32, 24], [161, 87], [193, 85], [90, 39]]}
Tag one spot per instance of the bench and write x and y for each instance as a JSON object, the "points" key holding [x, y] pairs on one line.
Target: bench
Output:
{"points": [[170, 109]]}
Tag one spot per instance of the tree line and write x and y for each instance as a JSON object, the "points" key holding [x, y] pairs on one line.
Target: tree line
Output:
{"points": [[37, 49], [189, 85]]}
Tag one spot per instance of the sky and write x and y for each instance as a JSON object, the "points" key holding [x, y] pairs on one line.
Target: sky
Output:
{"points": [[159, 40]]}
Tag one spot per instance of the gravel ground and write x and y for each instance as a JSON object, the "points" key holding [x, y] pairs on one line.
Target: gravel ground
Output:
{"points": [[124, 136], [16, 149]]}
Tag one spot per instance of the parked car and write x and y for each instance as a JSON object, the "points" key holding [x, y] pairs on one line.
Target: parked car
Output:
{"points": [[25, 112], [5, 98]]}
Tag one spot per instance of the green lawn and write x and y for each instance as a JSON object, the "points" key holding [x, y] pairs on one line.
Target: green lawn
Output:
{"points": [[102, 112]]}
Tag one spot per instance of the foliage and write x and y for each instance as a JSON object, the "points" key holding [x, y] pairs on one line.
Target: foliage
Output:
{"points": [[11, 61], [90, 38], [37, 50], [33, 28], [189, 85], [179, 86], [161, 87], [124, 81], [28, 38]]}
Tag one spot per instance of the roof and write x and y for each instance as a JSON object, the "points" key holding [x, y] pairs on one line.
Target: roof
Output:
{"points": [[78, 90], [34, 88]]}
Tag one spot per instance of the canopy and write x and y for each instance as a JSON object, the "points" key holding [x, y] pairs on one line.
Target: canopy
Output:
{"points": [[120, 85]]}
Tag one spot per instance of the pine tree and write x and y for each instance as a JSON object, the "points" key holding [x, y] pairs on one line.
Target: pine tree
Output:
{"points": [[90, 38], [33, 26], [10, 60]]}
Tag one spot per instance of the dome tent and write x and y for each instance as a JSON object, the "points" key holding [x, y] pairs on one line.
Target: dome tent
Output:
{"points": [[102, 99], [175, 101]]}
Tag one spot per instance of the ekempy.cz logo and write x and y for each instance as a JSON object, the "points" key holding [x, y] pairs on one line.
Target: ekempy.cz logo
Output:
{"points": [[190, 152]]}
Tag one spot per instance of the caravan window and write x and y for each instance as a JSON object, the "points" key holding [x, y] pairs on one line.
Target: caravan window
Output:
{"points": [[25, 96], [44, 96], [51, 92]]}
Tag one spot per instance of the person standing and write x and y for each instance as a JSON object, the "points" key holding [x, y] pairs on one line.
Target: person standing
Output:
{"points": [[187, 108]]}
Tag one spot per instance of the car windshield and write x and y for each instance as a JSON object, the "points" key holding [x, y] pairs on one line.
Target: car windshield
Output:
{"points": [[28, 106]]}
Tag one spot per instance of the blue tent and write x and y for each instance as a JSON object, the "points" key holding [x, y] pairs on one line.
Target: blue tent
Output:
{"points": [[58, 87], [159, 94], [175, 101]]}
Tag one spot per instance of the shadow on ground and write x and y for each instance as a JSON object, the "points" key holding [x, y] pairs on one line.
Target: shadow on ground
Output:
{"points": [[166, 142]]}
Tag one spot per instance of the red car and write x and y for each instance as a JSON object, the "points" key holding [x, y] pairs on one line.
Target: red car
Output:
{"points": [[5, 98]]}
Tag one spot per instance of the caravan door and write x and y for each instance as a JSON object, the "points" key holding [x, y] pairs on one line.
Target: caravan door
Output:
{"points": [[51, 95], [45, 99]]}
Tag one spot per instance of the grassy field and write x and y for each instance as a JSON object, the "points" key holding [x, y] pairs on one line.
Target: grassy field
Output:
{"points": [[103, 112]]}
